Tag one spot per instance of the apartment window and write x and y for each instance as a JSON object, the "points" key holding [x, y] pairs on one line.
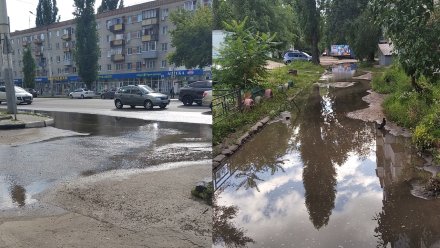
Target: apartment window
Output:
{"points": [[164, 14], [164, 46], [129, 20], [58, 33], [129, 51], [151, 13], [57, 46], [58, 59], [119, 66], [138, 49], [163, 64], [138, 34], [190, 5], [149, 46], [138, 66], [109, 54], [139, 18], [165, 30], [119, 37], [66, 70], [108, 38], [74, 69], [67, 56], [99, 68], [109, 67], [128, 37], [128, 66], [98, 25], [151, 64]]}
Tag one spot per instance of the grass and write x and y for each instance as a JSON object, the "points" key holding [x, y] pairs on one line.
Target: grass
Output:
{"points": [[236, 124], [418, 111]]}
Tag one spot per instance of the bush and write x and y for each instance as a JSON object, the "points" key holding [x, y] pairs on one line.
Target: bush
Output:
{"points": [[427, 133], [393, 79]]}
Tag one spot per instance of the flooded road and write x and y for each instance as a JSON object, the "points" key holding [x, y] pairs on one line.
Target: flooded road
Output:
{"points": [[323, 180], [95, 144]]}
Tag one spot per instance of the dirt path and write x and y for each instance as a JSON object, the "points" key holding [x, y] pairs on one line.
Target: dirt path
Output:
{"points": [[141, 208]]}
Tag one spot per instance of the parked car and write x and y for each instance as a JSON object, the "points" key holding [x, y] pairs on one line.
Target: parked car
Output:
{"points": [[110, 94], [33, 92], [194, 92], [81, 93], [140, 95], [295, 55], [21, 95], [207, 98]]}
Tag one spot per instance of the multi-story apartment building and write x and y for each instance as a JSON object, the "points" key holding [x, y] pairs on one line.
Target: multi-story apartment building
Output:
{"points": [[134, 43]]}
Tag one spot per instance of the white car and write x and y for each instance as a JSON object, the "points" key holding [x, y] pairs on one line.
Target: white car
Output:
{"points": [[295, 55], [207, 98], [21, 95], [82, 93]]}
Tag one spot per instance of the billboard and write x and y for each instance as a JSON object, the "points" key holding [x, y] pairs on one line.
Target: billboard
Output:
{"points": [[341, 51]]}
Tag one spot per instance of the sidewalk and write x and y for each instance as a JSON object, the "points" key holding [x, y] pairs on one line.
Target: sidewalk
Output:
{"points": [[24, 120]]}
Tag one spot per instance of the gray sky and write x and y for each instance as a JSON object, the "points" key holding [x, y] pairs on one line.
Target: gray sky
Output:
{"points": [[18, 11]]}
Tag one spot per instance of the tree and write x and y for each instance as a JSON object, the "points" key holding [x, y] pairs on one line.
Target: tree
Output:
{"points": [[413, 27], [86, 46], [28, 68], [222, 12], [243, 59], [46, 13], [121, 4], [107, 5], [192, 38], [309, 19]]}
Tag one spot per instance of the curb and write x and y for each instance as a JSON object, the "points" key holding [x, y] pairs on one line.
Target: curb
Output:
{"points": [[35, 124]]}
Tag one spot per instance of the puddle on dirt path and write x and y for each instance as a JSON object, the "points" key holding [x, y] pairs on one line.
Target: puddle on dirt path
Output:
{"points": [[113, 144], [323, 181]]}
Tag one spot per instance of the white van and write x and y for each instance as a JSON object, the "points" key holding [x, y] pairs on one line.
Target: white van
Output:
{"points": [[22, 95]]}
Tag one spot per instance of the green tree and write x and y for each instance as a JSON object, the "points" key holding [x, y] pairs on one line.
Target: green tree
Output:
{"points": [[222, 12], [46, 13], [309, 20], [107, 5], [86, 46], [28, 68], [414, 28], [121, 4], [243, 58], [192, 37]]}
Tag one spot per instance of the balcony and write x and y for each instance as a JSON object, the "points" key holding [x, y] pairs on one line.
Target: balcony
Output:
{"points": [[149, 54], [38, 41], [118, 57], [150, 21], [38, 53], [150, 37], [67, 36], [67, 49], [114, 43], [26, 43], [117, 28], [68, 63]]}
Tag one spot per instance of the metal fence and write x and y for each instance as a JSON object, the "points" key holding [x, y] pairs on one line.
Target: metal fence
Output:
{"points": [[224, 104]]}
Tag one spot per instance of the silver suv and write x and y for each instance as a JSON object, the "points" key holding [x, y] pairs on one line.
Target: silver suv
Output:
{"points": [[294, 55], [140, 95]]}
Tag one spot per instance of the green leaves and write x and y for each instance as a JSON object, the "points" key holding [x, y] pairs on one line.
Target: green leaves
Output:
{"points": [[46, 13], [28, 68], [192, 38]]}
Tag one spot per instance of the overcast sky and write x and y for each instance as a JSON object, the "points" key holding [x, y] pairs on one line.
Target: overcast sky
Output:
{"points": [[18, 11]]}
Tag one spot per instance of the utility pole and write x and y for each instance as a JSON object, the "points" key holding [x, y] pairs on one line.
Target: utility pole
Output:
{"points": [[5, 51]]}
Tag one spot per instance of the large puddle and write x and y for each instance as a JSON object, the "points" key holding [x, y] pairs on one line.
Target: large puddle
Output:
{"points": [[106, 143], [323, 180]]}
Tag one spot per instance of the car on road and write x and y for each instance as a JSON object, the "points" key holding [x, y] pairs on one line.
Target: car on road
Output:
{"points": [[295, 55], [33, 92], [22, 96], [82, 93], [108, 94], [207, 98], [140, 95], [194, 92]]}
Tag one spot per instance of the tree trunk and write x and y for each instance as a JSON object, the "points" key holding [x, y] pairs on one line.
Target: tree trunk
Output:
{"points": [[415, 85], [370, 57], [315, 50]]}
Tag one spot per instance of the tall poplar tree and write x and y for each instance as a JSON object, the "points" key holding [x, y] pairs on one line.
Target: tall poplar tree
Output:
{"points": [[86, 46], [28, 68], [46, 13], [107, 5], [309, 19]]}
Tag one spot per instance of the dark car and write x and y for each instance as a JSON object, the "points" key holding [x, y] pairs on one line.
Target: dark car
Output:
{"points": [[194, 92], [109, 94], [33, 92], [140, 95]]}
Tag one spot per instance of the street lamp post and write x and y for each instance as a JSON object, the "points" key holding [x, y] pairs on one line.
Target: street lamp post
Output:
{"points": [[48, 59], [5, 51]]}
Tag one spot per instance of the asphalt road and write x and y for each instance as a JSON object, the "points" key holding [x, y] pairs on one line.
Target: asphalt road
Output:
{"points": [[175, 112]]}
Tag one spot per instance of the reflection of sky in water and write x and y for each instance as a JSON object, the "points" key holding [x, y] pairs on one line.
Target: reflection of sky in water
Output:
{"points": [[277, 215]]}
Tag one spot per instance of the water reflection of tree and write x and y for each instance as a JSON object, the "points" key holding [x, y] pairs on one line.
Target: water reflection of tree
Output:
{"points": [[327, 137], [18, 194], [224, 231], [262, 155], [406, 220]]}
